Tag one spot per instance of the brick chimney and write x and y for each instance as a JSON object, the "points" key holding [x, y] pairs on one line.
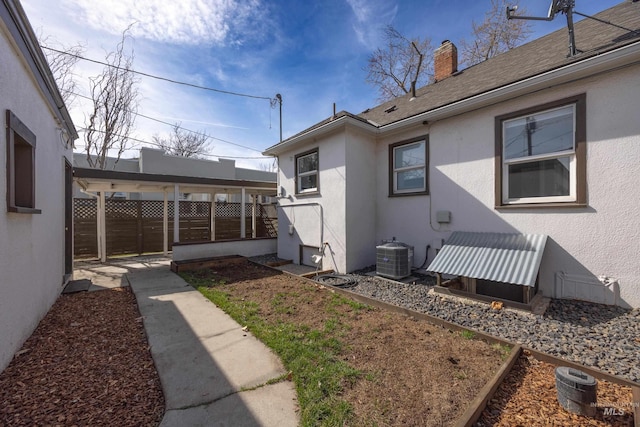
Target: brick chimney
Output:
{"points": [[445, 60]]}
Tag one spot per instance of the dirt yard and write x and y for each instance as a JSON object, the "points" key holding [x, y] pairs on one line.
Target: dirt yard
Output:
{"points": [[87, 363], [413, 373]]}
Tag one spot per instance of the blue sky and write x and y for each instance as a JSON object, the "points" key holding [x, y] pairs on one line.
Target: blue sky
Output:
{"points": [[311, 52]]}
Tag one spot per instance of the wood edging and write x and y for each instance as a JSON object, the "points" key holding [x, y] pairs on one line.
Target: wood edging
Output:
{"points": [[208, 242], [474, 410], [313, 274], [200, 263]]}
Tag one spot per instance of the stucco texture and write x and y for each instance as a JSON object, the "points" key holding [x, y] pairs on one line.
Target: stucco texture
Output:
{"points": [[32, 245]]}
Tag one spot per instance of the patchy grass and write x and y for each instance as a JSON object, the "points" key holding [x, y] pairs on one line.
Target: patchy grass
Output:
{"points": [[311, 355]]}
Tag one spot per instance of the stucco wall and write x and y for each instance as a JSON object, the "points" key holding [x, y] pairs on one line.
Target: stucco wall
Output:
{"points": [[406, 218], [584, 243], [31, 245], [361, 212], [247, 248], [308, 213]]}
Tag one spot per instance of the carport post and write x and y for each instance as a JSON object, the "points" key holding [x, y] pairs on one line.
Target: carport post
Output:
{"points": [[102, 228], [243, 224], [176, 213], [165, 223], [213, 217], [253, 215]]}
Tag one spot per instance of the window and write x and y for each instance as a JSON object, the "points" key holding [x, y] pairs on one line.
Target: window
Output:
{"points": [[540, 155], [408, 167], [307, 172], [21, 158]]}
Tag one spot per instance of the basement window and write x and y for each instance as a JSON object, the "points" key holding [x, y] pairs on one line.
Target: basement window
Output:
{"points": [[21, 168], [307, 172], [541, 154]]}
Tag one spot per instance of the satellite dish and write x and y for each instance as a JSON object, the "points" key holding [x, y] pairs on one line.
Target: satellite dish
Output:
{"points": [[556, 6]]}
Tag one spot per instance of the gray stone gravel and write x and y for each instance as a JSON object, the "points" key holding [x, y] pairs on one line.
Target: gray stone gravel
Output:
{"points": [[595, 335], [600, 336]]}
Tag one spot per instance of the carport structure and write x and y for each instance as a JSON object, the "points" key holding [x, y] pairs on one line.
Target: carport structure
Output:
{"points": [[99, 182]]}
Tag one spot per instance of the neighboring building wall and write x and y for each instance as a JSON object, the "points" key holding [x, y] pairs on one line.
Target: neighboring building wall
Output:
{"points": [[584, 243], [122, 165], [155, 161], [31, 245]]}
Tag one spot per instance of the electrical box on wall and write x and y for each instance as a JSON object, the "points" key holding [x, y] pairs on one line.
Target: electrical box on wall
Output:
{"points": [[443, 217]]}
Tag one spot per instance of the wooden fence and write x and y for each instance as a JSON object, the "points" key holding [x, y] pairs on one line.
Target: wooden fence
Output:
{"points": [[135, 226]]}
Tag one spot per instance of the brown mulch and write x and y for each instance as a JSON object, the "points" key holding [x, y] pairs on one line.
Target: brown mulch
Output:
{"points": [[414, 373], [528, 397], [87, 363]]}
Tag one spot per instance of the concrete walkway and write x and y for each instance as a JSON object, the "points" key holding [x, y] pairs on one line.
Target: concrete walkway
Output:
{"points": [[212, 372]]}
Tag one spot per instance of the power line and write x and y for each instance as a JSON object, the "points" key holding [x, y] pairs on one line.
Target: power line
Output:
{"points": [[173, 124], [158, 145], [271, 100]]}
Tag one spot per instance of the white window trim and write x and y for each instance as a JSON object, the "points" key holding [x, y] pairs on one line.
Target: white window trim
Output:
{"points": [[300, 175], [572, 197]]}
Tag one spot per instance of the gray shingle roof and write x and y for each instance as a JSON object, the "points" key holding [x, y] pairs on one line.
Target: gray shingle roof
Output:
{"points": [[534, 58]]}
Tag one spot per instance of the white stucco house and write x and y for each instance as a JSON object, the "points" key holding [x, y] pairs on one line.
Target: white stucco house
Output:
{"points": [[35, 186], [532, 141]]}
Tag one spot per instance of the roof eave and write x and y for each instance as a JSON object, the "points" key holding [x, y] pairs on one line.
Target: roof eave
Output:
{"points": [[618, 58], [39, 66], [288, 144]]}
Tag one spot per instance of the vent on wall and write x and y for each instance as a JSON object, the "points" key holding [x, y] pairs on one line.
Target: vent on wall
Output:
{"points": [[393, 260]]}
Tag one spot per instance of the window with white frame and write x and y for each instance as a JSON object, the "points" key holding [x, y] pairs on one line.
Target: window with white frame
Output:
{"points": [[307, 172], [541, 154], [408, 167]]}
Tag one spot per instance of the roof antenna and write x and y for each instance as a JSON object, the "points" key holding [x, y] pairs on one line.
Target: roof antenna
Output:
{"points": [[557, 6], [415, 80]]}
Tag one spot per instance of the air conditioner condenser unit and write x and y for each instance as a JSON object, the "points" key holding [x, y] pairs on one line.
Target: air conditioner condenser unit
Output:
{"points": [[394, 260]]}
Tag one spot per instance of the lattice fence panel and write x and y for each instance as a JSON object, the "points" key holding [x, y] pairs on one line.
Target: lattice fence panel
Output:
{"points": [[121, 209], [85, 234], [135, 226], [85, 208]]}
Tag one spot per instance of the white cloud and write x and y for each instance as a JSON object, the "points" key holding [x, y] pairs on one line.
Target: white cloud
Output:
{"points": [[170, 21], [370, 17]]}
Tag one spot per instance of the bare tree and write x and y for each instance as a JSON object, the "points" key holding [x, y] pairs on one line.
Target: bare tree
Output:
{"points": [[269, 166], [496, 34], [182, 142], [62, 60], [401, 65], [114, 97]]}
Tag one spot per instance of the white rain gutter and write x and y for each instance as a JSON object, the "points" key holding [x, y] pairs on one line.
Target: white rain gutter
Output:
{"points": [[332, 125]]}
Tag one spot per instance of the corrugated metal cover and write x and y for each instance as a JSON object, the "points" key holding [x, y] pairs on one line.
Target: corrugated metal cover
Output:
{"points": [[501, 257]]}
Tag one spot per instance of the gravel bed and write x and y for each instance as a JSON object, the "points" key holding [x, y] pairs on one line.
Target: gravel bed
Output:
{"points": [[596, 335]]}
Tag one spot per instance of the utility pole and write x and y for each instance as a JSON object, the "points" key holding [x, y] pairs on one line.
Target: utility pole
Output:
{"points": [[279, 99]]}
